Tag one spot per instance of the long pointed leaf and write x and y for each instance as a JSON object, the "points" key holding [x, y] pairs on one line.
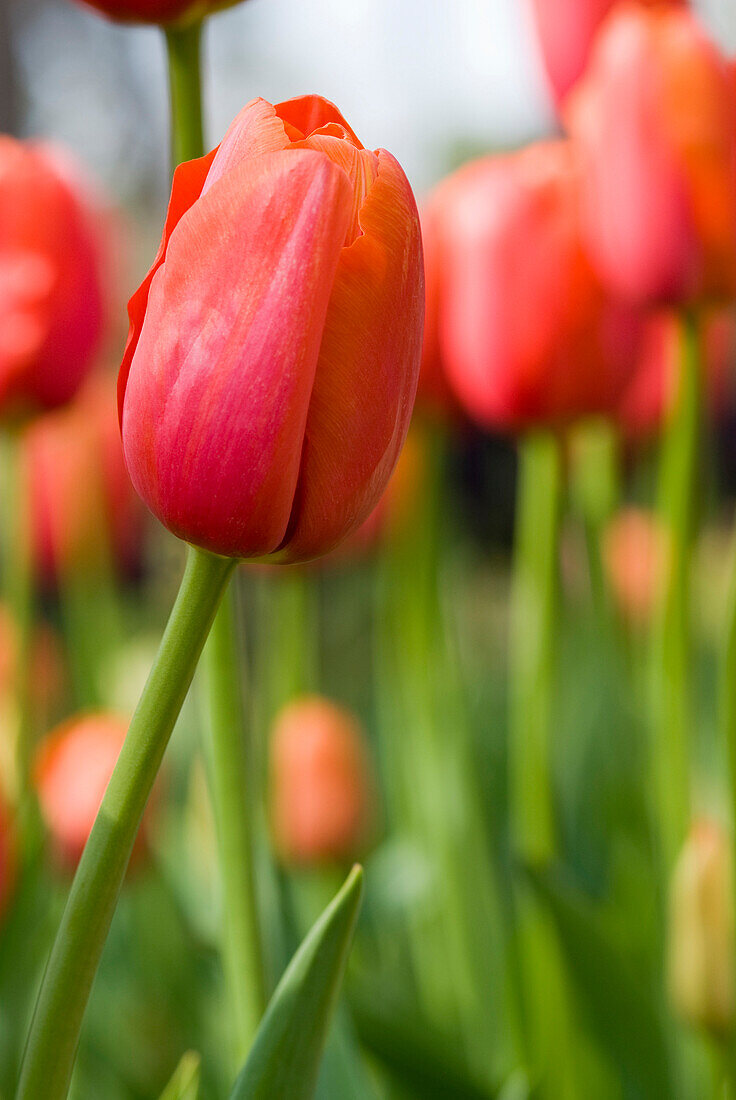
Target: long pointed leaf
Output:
{"points": [[184, 1085], [285, 1057]]}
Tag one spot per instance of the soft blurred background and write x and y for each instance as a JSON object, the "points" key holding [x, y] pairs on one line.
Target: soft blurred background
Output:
{"points": [[407, 628]]}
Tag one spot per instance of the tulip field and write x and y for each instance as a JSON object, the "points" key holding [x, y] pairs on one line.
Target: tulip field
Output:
{"points": [[368, 589]]}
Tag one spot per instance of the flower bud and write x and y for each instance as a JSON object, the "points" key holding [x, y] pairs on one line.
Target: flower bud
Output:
{"points": [[655, 118], [72, 769], [701, 940], [85, 513], [52, 293], [273, 356], [321, 785], [635, 560], [158, 11], [527, 333]]}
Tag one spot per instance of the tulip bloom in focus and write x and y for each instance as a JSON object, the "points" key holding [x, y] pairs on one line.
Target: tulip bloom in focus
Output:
{"points": [[7, 855], [701, 941], [655, 116], [566, 30], [84, 509], [274, 349], [52, 298], [73, 767], [158, 11], [527, 333], [651, 393], [322, 788]]}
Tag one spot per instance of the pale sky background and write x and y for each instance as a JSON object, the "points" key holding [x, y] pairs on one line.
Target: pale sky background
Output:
{"points": [[428, 79]]}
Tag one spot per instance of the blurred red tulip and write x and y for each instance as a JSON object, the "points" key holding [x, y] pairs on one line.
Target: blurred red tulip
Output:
{"points": [[527, 333], [655, 116], [651, 392], [322, 788], [158, 11], [73, 767], [635, 560], [52, 292], [7, 855], [566, 30], [85, 512], [269, 379], [435, 395]]}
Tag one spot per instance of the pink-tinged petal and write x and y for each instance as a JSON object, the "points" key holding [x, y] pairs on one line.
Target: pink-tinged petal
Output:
{"points": [[186, 188], [308, 113], [360, 164], [256, 130], [367, 372], [219, 386]]}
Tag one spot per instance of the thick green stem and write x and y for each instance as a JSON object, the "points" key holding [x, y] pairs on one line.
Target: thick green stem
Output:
{"points": [[232, 772], [534, 603], [185, 88], [671, 642], [62, 1000]]}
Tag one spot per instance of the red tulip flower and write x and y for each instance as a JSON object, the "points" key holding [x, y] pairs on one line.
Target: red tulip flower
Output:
{"points": [[73, 767], [567, 29], [85, 513], [52, 295], [528, 335], [655, 116], [158, 11], [272, 363], [651, 393], [321, 782]]}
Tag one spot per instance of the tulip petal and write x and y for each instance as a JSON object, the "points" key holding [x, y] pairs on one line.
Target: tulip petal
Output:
{"points": [[256, 130], [367, 372], [219, 386], [308, 113], [186, 187]]}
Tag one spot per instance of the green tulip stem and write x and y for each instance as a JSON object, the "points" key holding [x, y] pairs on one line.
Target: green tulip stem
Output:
{"points": [[671, 642], [232, 773], [184, 46], [534, 604], [232, 770], [62, 1000]]}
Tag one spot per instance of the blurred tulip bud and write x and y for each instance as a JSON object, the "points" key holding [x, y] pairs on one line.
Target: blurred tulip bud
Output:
{"points": [[527, 333], [7, 855], [72, 769], [322, 787], [52, 287], [158, 11], [651, 393], [635, 560], [566, 30], [85, 513], [269, 379], [655, 116], [701, 941], [435, 395]]}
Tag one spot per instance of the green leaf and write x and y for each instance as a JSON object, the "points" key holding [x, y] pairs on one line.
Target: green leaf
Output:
{"points": [[285, 1057], [184, 1085], [617, 1005]]}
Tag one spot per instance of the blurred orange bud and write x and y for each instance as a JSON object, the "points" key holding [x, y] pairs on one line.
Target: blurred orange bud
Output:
{"points": [[72, 769], [323, 797], [651, 393], [655, 118], [85, 512], [635, 560], [701, 934], [7, 855]]}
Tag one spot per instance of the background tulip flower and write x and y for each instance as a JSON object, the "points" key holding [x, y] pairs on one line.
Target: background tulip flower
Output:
{"points": [[322, 791], [272, 363], [566, 30], [655, 116], [650, 395], [701, 938], [634, 555], [85, 513], [527, 333], [158, 11], [52, 290], [7, 855], [72, 769]]}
